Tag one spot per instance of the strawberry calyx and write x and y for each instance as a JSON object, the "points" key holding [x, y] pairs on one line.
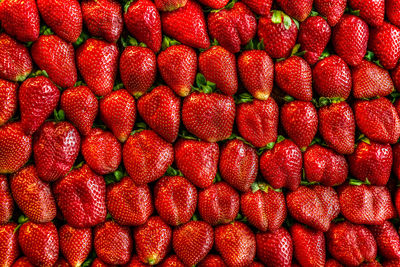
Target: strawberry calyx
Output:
{"points": [[243, 98], [370, 56], [235, 136], [279, 16], [240, 218], [81, 39], [79, 83], [271, 145], [167, 42], [363, 138], [348, 10], [254, 45], [44, 30], [228, 6], [263, 187], [140, 126], [308, 183], [324, 101], [296, 51], [89, 260], [324, 54], [186, 135], [21, 220], [356, 182], [217, 178], [288, 98], [127, 5], [59, 115], [130, 41], [38, 73], [118, 86], [314, 13], [203, 85], [114, 177], [173, 172]]}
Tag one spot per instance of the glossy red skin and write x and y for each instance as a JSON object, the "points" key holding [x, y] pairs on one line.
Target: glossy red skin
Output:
{"points": [[98, 263], [331, 9], [22, 262], [61, 262], [214, 4], [212, 260], [387, 240], [172, 260], [169, 5], [218, 204], [75, 243], [128, 203], [8, 100], [371, 11], [396, 160], [259, 7], [56, 146], [298, 9], [391, 263], [9, 250], [135, 262], [38, 97], [6, 201], [332, 263], [395, 75], [393, 11], [103, 18]]}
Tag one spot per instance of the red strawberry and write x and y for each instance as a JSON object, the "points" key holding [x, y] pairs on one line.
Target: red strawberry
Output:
{"points": [[395, 75], [152, 240], [372, 11], [198, 161], [232, 27], [331, 9], [218, 204], [332, 77], [214, 4], [391, 263], [61, 262], [135, 262], [6, 202], [169, 5], [279, 37], [97, 62], [298, 9], [33, 196], [172, 260], [113, 243], [236, 243], [392, 8], [38, 97], [128, 203], [55, 149], [193, 241], [63, 16], [138, 69], [98, 263], [333, 263], [259, 7], [212, 260], [39, 242], [177, 66], [81, 197], [187, 25], [257, 121], [160, 109], [23, 262], [147, 156], [350, 39], [8, 100], [387, 239], [281, 166], [75, 244], [396, 160], [103, 18], [9, 250]]}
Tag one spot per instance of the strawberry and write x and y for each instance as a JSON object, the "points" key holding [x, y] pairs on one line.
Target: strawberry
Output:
{"points": [[387, 240], [395, 75], [16, 147], [172, 260], [192, 241], [325, 166], [350, 39], [80, 106], [175, 199], [75, 244], [64, 17], [236, 243], [332, 263], [160, 109], [256, 71], [128, 203], [396, 160], [337, 127], [118, 112], [298, 9], [187, 25], [391, 263], [218, 204], [61, 262], [55, 149], [392, 8], [6, 202], [177, 66], [331, 9], [264, 208], [279, 37], [98, 263], [214, 4], [147, 156], [314, 35], [332, 78], [138, 68], [15, 61], [81, 197], [259, 7], [39, 242], [169, 5], [209, 116], [257, 121], [135, 262], [113, 243], [23, 262], [212, 260], [152, 240], [97, 62], [294, 77], [218, 65], [281, 166], [371, 11], [238, 164], [309, 245], [103, 18], [8, 100], [232, 27], [33, 196], [9, 250], [198, 161], [275, 248]]}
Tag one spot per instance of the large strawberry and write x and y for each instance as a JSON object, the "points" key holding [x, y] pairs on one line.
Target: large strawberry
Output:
{"points": [[8, 100], [387, 239], [392, 8], [298, 9], [6, 202], [75, 244], [212, 260], [331, 9], [9, 250], [372, 11], [259, 7], [169, 5]]}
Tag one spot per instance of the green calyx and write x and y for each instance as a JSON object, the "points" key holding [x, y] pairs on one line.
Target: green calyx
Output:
{"points": [[186, 135], [296, 51], [263, 187], [370, 56], [44, 30], [243, 98], [127, 5], [324, 55], [59, 115], [39, 73], [271, 145], [79, 83], [21, 220], [140, 126], [173, 172], [255, 45], [308, 183], [278, 17], [167, 42], [217, 178], [81, 39], [363, 138], [130, 41], [228, 6], [118, 86], [358, 182], [324, 101], [114, 177], [203, 85]]}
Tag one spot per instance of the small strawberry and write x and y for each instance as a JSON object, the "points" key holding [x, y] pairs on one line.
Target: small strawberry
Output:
{"points": [[392, 8], [172, 260], [259, 7], [372, 11], [169, 5], [8, 100], [387, 239], [214, 4], [9, 250], [298, 9], [212, 260], [23, 262], [331, 9], [75, 244], [6, 202]]}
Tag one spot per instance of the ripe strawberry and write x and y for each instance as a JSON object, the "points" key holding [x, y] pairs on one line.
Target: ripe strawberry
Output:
{"points": [[214, 4], [172, 260], [387, 239], [128, 203], [169, 5], [113, 243], [257, 121], [395, 75], [75, 244], [392, 8], [198, 161], [281, 166], [147, 156], [298, 9], [275, 248], [372, 11], [103, 18], [209, 116], [33, 196], [61, 262], [135, 262], [193, 241], [6, 202], [9, 250], [294, 77], [259, 7], [160, 109], [396, 160], [98, 263], [218, 204], [152, 240], [8, 100], [391, 263], [212, 260], [332, 78], [331, 9], [81, 197], [23, 262], [63, 16], [350, 39], [187, 25], [232, 27], [332, 263], [39, 242], [177, 66], [16, 147], [279, 37]]}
